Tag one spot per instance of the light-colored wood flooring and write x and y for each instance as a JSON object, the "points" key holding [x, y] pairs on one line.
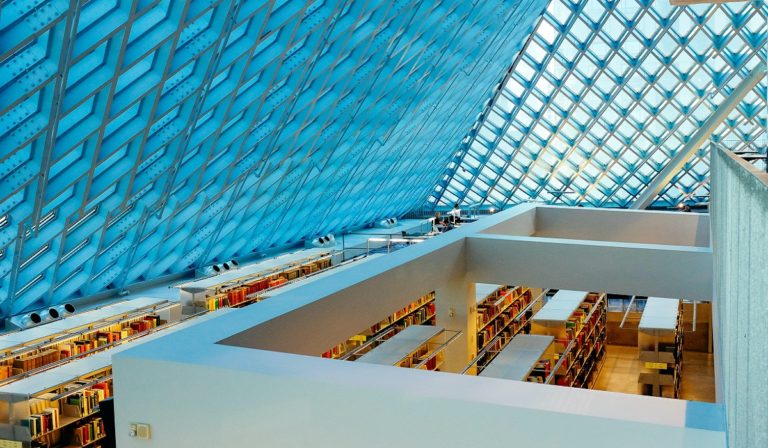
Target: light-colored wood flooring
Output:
{"points": [[621, 368]]}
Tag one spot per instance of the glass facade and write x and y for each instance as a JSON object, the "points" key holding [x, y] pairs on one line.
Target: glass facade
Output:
{"points": [[603, 95], [143, 138]]}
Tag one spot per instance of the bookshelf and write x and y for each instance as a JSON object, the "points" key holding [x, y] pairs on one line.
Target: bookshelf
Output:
{"points": [[417, 346], [500, 312], [419, 312], [60, 407], [27, 352], [527, 357], [244, 286], [50, 409], [660, 346], [577, 321]]}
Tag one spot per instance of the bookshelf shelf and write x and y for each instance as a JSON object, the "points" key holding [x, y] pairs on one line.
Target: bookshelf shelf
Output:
{"points": [[525, 358], [244, 286], [495, 331], [577, 321], [500, 312], [417, 346], [45, 408], [91, 443], [25, 354], [660, 345], [420, 312]]}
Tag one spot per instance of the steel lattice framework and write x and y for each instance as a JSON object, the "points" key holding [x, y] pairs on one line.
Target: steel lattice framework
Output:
{"points": [[141, 138], [602, 96]]}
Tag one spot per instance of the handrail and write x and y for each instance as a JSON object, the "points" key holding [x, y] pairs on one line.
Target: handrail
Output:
{"points": [[626, 313], [440, 348], [367, 344]]}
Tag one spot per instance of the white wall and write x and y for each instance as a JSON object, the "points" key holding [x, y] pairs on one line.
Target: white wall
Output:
{"points": [[740, 244], [628, 226], [305, 402], [620, 268], [196, 391], [352, 300]]}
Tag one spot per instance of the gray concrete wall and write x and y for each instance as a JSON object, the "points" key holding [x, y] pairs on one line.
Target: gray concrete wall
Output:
{"points": [[740, 245], [628, 226]]}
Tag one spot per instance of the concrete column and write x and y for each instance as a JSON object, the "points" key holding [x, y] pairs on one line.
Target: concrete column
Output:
{"points": [[455, 308]]}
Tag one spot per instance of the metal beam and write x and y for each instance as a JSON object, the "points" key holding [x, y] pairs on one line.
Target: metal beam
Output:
{"points": [[647, 196]]}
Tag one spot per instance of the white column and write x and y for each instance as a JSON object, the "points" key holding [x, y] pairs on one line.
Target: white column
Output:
{"points": [[455, 307]]}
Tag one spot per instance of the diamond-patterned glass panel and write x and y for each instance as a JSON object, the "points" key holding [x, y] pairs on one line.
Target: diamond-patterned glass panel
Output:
{"points": [[143, 138], [603, 95]]}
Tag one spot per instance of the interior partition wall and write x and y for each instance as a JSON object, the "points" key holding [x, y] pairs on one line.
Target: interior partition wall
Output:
{"points": [[740, 246]]}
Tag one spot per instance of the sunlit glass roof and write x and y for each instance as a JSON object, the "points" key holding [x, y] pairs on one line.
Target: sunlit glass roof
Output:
{"points": [[145, 138], [601, 97]]}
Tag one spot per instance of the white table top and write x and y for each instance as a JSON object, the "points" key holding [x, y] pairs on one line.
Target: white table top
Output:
{"points": [[400, 345], [659, 314], [483, 290], [518, 358], [560, 306]]}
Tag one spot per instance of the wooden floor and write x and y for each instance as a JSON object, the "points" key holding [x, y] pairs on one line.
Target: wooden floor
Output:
{"points": [[621, 367]]}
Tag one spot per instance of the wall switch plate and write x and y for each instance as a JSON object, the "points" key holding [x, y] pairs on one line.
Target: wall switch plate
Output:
{"points": [[140, 430]]}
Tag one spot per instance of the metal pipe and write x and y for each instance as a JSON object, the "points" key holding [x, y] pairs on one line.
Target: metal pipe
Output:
{"points": [[694, 314], [626, 313]]}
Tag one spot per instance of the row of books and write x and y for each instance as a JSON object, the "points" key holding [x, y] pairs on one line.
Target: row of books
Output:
{"points": [[42, 422], [352, 343], [422, 301], [503, 322], [419, 312], [585, 377], [239, 295], [84, 343], [37, 360], [494, 304], [6, 371], [578, 320], [83, 403], [541, 371], [46, 412], [88, 432], [587, 330], [433, 361]]}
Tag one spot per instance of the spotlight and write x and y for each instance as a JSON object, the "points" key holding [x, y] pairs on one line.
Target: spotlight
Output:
{"points": [[65, 309], [234, 263], [216, 268], [226, 266], [26, 320]]}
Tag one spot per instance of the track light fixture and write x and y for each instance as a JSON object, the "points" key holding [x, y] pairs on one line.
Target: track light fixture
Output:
{"points": [[324, 241], [388, 223]]}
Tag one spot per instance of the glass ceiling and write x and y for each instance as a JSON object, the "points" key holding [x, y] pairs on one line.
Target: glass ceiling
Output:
{"points": [[601, 97], [142, 138]]}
